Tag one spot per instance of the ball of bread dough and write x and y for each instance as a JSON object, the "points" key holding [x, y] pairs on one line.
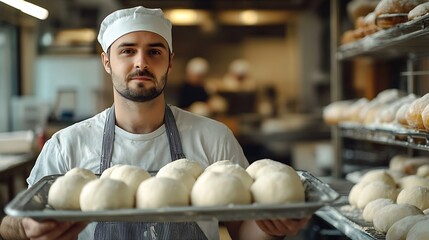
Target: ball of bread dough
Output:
{"points": [[220, 163], [400, 229], [374, 190], [157, 192], [131, 175], [254, 167], [192, 167], [271, 168], [372, 207], [219, 189], [355, 192], [392, 213], [178, 174], [411, 165], [417, 196], [397, 161], [420, 231], [104, 194], [412, 181], [234, 169], [106, 173], [85, 173], [65, 191], [378, 175], [423, 171], [277, 188]]}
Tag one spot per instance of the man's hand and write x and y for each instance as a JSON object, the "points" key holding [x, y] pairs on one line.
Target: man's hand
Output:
{"points": [[286, 227], [51, 230]]}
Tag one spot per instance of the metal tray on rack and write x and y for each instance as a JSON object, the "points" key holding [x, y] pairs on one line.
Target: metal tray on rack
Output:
{"points": [[33, 203], [349, 220]]}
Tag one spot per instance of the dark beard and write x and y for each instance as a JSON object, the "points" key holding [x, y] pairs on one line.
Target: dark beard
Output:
{"points": [[146, 95]]}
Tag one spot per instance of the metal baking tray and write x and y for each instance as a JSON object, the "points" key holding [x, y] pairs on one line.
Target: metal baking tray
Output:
{"points": [[349, 220], [33, 203]]}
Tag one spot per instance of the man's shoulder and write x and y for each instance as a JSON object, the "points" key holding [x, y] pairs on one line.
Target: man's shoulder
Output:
{"points": [[184, 117], [84, 127]]}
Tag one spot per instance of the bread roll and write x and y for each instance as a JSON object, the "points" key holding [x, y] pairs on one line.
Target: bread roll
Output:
{"points": [[157, 192], [414, 113], [400, 229], [192, 167], [417, 196], [106, 193], [355, 193], [271, 168], [352, 113], [419, 11], [420, 231], [388, 114], [179, 174], [375, 190], [357, 8], [333, 113], [390, 214], [423, 171], [130, 175], [392, 12], [397, 162], [219, 189], [372, 207], [412, 181], [255, 166], [425, 117], [401, 113], [378, 175], [64, 193], [85, 173], [233, 169], [411, 165], [277, 188]]}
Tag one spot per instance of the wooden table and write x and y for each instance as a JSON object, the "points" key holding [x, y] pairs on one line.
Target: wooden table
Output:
{"points": [[12, 166]]}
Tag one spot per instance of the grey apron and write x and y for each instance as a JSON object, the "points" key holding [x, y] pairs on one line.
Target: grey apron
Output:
{"points": [[144, 230]]}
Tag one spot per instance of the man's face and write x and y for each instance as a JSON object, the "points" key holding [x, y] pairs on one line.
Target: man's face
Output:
{"points": [[139, 64]]}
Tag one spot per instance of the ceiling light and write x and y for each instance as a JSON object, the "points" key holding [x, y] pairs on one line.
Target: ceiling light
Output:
{"points": [[28, 8], [249, 17], [183, 16]]}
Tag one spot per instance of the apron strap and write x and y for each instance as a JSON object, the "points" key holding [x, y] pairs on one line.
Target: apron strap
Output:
{"points": [[108, 139], [174, 141], [173, 135]]}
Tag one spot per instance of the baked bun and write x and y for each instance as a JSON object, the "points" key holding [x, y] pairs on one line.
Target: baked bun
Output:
{"points": [[358, 8], [420, 10], [414, 113], [392, 12]]}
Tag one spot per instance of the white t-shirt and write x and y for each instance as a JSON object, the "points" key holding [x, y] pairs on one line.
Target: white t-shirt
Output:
{"points": [[203, 140]]}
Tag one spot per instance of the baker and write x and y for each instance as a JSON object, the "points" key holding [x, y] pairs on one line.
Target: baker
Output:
{"points": [[139, 129]]}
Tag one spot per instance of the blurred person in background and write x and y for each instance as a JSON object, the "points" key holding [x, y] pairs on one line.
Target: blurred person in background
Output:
{"points": [[192, 89]]}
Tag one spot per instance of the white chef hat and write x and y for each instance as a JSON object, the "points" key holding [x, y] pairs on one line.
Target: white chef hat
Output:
{"points": [[134, 19], [197, 65], [239, 66]]}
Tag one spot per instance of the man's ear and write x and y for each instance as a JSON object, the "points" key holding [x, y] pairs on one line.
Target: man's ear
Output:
{"points": [[170, 64], [106, 62]]}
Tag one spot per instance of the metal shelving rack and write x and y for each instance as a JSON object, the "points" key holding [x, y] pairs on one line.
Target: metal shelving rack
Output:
{"points": [[409, 41]]}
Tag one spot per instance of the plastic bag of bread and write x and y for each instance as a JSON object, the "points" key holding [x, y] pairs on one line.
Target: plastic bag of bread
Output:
{"points": [[419, 11], [392, 12], [414, 113]]}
